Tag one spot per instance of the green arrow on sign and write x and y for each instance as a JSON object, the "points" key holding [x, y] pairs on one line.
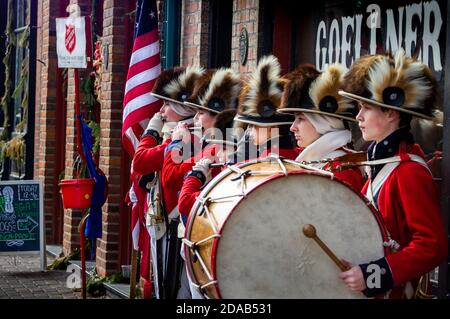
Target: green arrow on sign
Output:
{"points": [[27, 224]]}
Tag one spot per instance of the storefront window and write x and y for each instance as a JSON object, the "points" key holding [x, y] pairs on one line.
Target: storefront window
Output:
{"points": [[220, 27], [170, 35]]}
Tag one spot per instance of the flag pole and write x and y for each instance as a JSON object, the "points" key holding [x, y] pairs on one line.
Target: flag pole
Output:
{"points": [[76, 12], [134, 254], [82, 228]]}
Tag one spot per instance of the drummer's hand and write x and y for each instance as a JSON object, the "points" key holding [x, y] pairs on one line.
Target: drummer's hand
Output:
{"points": [[202, 171], [353, 277]]}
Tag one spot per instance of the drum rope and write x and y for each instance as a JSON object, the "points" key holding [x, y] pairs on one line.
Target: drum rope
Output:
{"points": [[222, 199], [283, 167], [203, 287], [259, 173], [212, 222], [202, 264], [193, 247], [225, 199], [236, 170], [194, 244], [212, 282]]}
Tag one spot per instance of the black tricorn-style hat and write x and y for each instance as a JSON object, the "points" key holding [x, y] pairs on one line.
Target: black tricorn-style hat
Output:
{"points": [[260, 98], [217, 91], [177, 84], [309, 92]]}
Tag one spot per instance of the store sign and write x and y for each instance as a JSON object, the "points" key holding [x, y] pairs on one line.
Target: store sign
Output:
{"points": [[71, 42], [417, 27], [22, 218]]}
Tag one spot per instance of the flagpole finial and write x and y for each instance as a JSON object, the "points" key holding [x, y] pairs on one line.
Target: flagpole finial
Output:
{"points": [[73, 10]]}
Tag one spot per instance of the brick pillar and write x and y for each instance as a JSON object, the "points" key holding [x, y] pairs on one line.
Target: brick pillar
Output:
{"points": [[46, 141], [111, 152], [195, 33], [72, 217], [245, 14]]}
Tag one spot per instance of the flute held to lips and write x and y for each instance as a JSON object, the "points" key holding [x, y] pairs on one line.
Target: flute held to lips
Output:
{"points": [[191, 129]]}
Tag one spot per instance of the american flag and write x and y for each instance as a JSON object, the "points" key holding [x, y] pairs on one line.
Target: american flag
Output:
{"points": [[144, 69], [138, 104]]}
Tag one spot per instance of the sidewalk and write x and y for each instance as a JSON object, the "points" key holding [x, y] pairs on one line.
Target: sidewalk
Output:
{"points": [[21, 278]]}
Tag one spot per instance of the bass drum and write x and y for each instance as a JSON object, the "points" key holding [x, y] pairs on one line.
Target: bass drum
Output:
{"points": [[244, 235]]}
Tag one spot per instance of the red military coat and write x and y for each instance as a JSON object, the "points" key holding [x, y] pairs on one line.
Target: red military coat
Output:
{"points": [[173, 173], [409, 205], [149, 156]]}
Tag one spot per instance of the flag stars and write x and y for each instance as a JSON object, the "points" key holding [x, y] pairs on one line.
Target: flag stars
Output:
{"points": [[152, 15]]}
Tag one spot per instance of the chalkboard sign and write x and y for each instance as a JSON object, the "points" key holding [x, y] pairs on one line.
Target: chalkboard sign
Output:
{"points": [[21, 218]]}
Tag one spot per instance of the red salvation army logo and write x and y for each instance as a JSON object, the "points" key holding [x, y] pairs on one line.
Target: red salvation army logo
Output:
{"points": [[70, 38]]}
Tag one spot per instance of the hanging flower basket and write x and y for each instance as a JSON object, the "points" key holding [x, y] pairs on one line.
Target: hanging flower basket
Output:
{"points": [[77, 193]]}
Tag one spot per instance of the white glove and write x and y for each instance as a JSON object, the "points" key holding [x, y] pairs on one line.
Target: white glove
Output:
{"points": [[202, 166], [156, 123]]}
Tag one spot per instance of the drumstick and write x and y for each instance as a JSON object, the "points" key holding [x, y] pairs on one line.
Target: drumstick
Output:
{"points": [[310, 232]]}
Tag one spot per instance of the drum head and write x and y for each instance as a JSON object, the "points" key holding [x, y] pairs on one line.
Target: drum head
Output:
{"points": [[263, 253]]}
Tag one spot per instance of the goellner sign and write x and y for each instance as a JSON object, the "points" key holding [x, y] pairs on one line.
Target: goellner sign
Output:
{"points": [[383, 27]]}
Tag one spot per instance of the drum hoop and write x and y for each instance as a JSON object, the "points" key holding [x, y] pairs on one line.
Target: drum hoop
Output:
{"points": [[215, 241]]}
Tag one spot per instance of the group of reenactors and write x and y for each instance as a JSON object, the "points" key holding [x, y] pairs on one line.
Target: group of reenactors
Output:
{"points": [[211, 119]]}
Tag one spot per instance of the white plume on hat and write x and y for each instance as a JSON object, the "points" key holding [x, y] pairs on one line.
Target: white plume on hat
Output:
{"points": [[406, 74]]}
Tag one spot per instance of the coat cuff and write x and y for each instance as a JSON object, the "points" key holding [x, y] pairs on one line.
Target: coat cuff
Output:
{"points": [[378, 277], [199, 175], [152, 133], [146, 182], [174, 145]]}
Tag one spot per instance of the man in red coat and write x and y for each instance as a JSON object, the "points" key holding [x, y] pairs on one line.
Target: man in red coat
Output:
{"points": [[173, 86], [389, 92]]}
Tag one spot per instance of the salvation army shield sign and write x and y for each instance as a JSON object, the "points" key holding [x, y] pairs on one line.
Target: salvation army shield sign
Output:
{"points": [[70, 38]]}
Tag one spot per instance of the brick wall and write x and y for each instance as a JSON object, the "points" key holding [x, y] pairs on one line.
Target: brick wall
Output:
{"points": [[111, 152], [195, 33], [245, 14], [46, 137], [194, 30], [112, 157]]}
